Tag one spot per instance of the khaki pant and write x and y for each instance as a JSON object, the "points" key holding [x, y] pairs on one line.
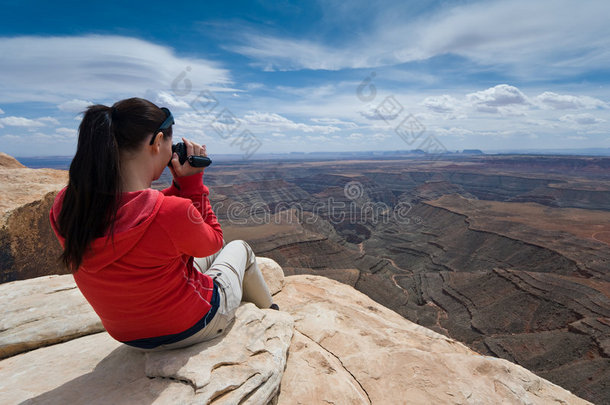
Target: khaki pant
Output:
{"points": [[238, 277]]}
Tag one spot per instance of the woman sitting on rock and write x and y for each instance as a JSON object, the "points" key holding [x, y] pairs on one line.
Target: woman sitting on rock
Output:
{"points": [[152, 264]]}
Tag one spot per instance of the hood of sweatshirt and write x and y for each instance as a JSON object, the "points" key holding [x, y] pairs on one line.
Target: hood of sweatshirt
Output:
{"points": [[136, 212]]}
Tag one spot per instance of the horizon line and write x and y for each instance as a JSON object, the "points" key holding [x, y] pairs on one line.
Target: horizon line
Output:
{"points": [[603, 152]]}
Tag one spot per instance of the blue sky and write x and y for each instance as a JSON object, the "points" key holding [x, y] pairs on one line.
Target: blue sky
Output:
{"points": [[313, 76]]}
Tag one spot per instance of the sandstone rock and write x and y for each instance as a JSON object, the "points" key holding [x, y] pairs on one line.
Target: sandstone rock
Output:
{"points": [[9, 162], [392, 360], [21, 186], [316, 376], [28, 247], [94, 369], [41, 312], [345, 276], [272, 273], [346, 349], [244, 365]]}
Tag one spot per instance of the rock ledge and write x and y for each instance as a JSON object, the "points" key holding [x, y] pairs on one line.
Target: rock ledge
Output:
{"points": [[343, 348]]}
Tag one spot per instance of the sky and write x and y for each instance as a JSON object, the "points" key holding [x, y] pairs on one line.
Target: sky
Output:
{"points": [[248, 77]]}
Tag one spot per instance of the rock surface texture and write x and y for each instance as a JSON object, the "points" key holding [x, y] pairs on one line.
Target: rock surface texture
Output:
{"points": [[371, 355], [27, 244], [43, 311], [329, 344], [245, 366], [9, 162]]}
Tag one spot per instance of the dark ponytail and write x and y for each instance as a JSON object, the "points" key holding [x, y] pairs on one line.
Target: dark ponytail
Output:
{"points": [[92, 197]]}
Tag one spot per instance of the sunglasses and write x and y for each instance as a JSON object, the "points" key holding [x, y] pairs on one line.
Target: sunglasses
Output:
{"points": [[169, 121]]}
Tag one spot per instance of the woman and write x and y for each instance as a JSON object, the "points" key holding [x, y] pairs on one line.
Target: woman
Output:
{"points": [[149, 262]]}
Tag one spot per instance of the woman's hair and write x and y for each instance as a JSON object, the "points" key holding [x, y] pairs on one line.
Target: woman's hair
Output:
{"points": [[93, 193]]}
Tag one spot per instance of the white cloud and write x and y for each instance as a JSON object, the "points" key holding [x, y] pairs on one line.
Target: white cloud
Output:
{"points": [[20, 122], [355, 136], [42, 138], [74, 106], [517, 121], [387, 110], [327, 90], [480, 32], [501, 99], [318, 138], [577, 138], [508, 101], [273, 121], [495, 98], [165, 99], [68, 133], [370, 112], [564, 102], [291, 54], [266, 118], [38, 140], [571, 36], [1, 112], [381, 137], [27, 122], [53, 69], [192, 124], [11, 138], [441, 104], [581, 119], [200, 126], [453, 131], [335, 121], [49, 120]]}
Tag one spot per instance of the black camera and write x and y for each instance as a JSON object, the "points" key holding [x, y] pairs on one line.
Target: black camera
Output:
{"points": [[195, 161]]}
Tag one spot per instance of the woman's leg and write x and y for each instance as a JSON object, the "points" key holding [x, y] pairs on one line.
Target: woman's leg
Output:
{"points": [[235, 270], [255, 287]]}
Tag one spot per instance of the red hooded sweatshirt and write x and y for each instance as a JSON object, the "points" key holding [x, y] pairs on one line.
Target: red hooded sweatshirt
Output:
{"points": [[145, 285]]}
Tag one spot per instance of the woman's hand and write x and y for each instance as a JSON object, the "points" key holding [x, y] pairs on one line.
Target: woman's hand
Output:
{"points": [[185, 169]]}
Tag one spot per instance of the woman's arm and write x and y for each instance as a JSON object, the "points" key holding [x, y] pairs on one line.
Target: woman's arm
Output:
{"points": [[187, 183], [188, 231], [192, 187]]}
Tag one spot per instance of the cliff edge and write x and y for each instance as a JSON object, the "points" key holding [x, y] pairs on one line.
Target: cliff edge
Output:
{"points": [[9, 162], [329, 344], [26, 239]]}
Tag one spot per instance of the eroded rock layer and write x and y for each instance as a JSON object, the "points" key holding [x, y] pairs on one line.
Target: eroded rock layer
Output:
{"points": [[28, 247], [507, 254]]}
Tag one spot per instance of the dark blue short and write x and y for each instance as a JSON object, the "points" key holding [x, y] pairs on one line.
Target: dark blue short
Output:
{"points": [[151, 343]]}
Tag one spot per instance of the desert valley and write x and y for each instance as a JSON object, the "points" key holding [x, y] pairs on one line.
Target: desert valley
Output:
{"points": [[508, 254]]}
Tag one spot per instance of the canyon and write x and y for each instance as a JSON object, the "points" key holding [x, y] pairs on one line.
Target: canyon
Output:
{"points": [[508, 254]]}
